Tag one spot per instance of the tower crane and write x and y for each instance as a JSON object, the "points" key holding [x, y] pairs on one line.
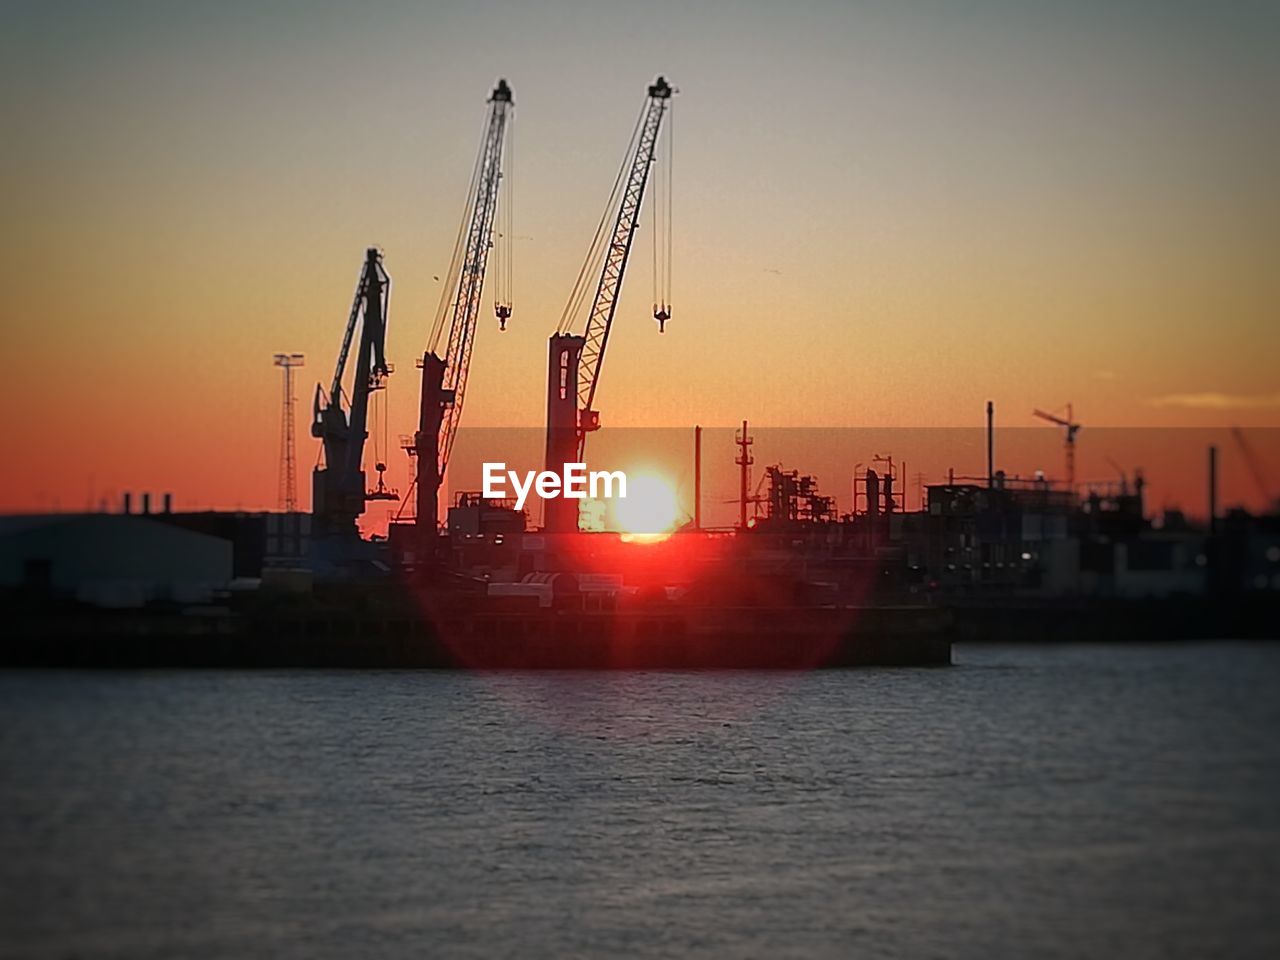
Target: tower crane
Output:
{"points": [[444, 374], [338, 492], [1071, 428], [575, 360], [1254, 463]]}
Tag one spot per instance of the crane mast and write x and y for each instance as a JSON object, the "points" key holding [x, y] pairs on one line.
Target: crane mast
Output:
{"points": [[1070, 429], [575, 361], [338, 488], [444, 375]]}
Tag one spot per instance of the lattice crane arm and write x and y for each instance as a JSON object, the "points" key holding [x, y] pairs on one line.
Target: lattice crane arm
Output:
{"points": [[460, 300], [616, 254], [1254, 465], [1051, 418], [1072, 428]]}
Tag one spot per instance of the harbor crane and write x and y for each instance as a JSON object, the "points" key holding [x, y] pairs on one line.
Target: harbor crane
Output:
{"points": [[1251, 460], [1071, 428], [444, 372], [338, 492], [575, 360]]}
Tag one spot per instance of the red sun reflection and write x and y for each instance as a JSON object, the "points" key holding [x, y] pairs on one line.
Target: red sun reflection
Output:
{"points": [[650, 510], [695, 600]]}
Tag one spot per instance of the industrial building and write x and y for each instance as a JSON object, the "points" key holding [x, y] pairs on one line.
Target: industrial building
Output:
{"points": [[111, 560]]}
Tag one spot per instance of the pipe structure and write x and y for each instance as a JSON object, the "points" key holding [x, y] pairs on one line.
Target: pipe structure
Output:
{"points": [[697, 478], [991, 460], [1213, 490]]}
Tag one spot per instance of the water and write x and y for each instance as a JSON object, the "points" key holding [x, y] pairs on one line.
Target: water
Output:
{"points": [[1061, 802]]}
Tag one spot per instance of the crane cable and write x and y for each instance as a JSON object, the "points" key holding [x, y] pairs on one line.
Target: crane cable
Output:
{"points": [[448, 293], [380, 420], [595, 252], [504, 248], [662, 226], [671, 139], [656, 279], [386, 421]]}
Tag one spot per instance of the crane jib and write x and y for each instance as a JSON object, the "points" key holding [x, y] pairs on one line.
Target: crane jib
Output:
{"points": [[468, 283], [600, 320]]}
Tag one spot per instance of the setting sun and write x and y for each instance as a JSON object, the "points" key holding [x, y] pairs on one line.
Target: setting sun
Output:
{"points": [[649, 508]]}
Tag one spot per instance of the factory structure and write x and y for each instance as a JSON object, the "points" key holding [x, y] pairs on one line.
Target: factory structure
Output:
{"points": [[993, 540]]}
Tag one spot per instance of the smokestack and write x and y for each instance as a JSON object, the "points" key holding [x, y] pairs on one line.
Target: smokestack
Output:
{"points": [[146, 503], [873, 494], [888, 493], [168, 503], [1213, 490], [127, 504], [744, 461], [697, 478], [991, 443]]}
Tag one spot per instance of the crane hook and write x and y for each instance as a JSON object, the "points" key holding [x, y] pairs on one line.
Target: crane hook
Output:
{"points": [[502, 311], [662, 315]]}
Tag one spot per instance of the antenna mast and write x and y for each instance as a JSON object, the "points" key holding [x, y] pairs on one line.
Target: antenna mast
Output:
{"points": [[287, 495]]}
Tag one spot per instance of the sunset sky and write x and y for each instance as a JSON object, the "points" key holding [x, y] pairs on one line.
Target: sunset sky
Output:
{"points": [[885, 213]]}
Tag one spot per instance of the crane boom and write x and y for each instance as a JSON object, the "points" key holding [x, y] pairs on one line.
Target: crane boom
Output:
{"points": [[600, 320], [444, 375], [1254, 464], [1052, 418], [575, 360], [469, 281]]}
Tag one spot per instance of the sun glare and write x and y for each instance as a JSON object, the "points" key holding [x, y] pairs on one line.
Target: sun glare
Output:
{"points": [[649, 509]]}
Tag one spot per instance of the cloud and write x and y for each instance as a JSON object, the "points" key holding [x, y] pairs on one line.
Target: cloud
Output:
{"points": [[1216, 401]]}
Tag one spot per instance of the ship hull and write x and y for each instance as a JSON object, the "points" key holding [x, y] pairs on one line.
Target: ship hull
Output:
{"points": [[775, 639]]}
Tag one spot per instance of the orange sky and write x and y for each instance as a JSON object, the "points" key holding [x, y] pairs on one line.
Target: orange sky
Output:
{"points": [[885, 214]]}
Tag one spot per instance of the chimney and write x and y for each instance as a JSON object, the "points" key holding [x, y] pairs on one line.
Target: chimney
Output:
{"points": [[127, 504], [168, 503], [1213, 490], [697, 478], [146, 503], [991, 443]]}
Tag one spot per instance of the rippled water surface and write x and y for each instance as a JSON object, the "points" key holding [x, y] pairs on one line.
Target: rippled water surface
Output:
{"points": [[1072, 801]]}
